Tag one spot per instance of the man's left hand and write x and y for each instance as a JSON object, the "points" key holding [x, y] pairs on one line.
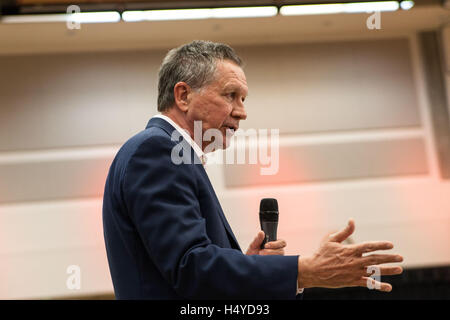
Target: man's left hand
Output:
{"points": [[270, 248]]}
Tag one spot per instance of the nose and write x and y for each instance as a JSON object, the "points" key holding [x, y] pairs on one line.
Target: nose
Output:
{"points": [[239, 112]]}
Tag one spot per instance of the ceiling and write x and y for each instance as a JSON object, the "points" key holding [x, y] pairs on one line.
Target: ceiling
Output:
{"points": [[31, 38], [8, 7]]}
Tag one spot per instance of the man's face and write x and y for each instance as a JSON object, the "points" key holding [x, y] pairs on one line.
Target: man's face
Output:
{"points": [[220, 105]]}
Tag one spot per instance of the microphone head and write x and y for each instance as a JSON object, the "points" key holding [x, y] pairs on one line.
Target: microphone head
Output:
{"points": [[268, 204], [268, 210]]}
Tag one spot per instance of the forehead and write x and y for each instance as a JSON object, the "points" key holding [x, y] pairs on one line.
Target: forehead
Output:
{"points": [[230, 75]]}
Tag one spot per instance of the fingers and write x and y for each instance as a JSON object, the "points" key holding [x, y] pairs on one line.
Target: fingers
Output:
{"points": [[254, 246], [256, 243], [326, 238], [371, 283], [274, 248], [382, 270], [345, 233], [365, 247], [270, 248], [270, 252], [277, 244], [375, 259]]}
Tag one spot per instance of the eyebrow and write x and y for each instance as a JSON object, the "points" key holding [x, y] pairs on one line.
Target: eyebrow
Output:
{"points": [[235, 88]]}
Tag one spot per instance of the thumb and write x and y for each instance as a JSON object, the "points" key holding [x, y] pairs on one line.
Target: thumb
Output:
{"points": [[326, 238], [256, 243], [344, 233]]}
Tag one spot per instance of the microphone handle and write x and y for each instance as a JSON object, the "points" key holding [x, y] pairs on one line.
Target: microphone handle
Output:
{"points": [[270, 230]]}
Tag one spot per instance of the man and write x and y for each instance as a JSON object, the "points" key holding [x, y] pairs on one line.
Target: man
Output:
{"points": [[165, 232]]}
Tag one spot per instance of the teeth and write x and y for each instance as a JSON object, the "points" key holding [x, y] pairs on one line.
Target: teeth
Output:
{"points": [[231, 128]]}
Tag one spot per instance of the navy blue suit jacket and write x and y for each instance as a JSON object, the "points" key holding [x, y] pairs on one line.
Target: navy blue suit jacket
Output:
{"points": [[167, 237]]}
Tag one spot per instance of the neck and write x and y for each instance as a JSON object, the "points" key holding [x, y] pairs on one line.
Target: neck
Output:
{"points": [[180, 119]]}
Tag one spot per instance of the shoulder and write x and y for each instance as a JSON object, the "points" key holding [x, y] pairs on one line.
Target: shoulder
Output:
{"points": [[149, 143], [154, 149], [153, 166], [151, 138]]}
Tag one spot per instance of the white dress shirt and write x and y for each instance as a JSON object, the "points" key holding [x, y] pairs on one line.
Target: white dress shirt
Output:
{"points": [[186, 136]]}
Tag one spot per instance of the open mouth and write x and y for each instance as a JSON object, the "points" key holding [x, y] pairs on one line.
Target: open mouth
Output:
{"points": [[231, 128]]}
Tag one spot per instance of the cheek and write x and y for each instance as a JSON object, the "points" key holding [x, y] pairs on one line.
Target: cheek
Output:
{"points": [[213, 111], [220, 112], [225, 109]]}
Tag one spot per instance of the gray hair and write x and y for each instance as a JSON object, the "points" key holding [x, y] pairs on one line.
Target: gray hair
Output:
{"points": [[194, 63]]}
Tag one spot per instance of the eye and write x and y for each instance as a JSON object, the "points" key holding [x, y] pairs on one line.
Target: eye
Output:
{"points": [[231, 95]]}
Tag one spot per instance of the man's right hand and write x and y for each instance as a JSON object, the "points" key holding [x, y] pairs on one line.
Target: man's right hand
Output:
{"points": [[336, 265]]}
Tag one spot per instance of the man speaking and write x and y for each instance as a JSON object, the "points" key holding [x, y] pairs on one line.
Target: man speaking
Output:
{"points": [[165, 232]]}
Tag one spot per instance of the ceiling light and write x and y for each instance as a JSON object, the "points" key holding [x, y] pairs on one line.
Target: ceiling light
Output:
{"points": [[406, 5], [83, 17], [357, 7], [189, 14]]}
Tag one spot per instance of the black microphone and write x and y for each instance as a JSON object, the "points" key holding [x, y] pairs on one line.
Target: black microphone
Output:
{"points": [[268, 218]]}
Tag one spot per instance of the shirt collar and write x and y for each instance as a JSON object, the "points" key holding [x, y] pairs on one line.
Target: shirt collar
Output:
{"points": [[198, 151]]}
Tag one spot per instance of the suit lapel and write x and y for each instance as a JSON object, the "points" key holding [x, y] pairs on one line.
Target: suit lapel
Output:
{"points": [[221, 214], [168, 128]]}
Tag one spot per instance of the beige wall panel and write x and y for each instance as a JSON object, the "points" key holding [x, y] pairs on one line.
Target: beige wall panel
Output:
{"points": [[40, 240], [58, 100], [50, 101], [331, 161], [329, 86], [411, 212], [43, 275], [53, 179]]}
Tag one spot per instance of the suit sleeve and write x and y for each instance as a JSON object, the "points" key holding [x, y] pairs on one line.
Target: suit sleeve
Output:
{"points": [[161, 198]]}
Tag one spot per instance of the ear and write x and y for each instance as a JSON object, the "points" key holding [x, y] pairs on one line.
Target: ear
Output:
{"points": [[181, 93]]}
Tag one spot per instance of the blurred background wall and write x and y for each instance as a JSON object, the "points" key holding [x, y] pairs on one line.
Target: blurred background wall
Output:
{"points": [[362, 114]]}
